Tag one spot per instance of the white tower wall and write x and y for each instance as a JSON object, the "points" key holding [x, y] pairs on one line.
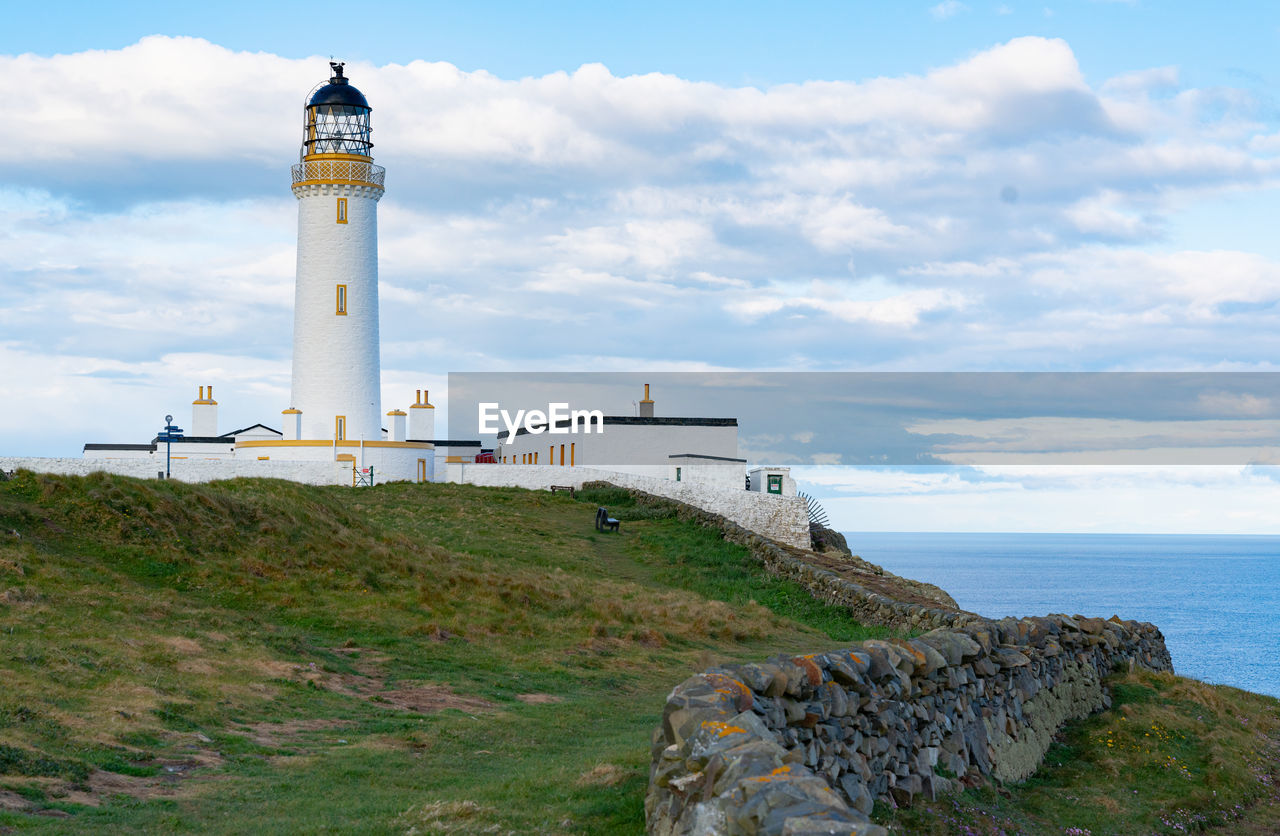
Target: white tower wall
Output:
{"points": [[336, 368]]}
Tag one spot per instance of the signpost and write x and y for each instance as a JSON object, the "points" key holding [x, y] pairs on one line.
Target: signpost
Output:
{"points": [[168, 435]]}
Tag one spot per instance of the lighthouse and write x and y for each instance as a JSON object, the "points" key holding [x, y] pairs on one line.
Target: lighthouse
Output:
{"points": [[333, 429], [336, 370], [335, 413]]}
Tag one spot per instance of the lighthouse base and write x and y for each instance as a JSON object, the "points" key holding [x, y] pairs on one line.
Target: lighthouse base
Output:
{"points": [[390, 461]]}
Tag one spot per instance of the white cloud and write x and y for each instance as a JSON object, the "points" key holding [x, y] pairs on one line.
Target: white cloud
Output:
{"points": [[997, 212], [1191, 500], [947, 8]]}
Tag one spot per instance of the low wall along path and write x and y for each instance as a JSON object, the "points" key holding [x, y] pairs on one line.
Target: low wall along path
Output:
{"points": [[806, 745]]}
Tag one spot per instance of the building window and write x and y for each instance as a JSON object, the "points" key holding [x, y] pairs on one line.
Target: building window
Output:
{"points": [[340, 427], [572, 455], [342, 300], [342, 210], [677, 474], [535, 458], [562, 455]]}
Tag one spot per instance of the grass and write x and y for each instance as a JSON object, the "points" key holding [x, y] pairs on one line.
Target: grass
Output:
{"points": [[188, 658], [261, 655], [1172, 756]]}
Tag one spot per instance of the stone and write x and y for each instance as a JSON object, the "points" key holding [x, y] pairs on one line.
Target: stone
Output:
{"points": [[827, 540]]}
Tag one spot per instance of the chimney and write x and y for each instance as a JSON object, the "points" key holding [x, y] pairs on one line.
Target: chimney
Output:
{"points": [[204, 414], [397, 417], [646, 405], [422, 418], [292, 424]]}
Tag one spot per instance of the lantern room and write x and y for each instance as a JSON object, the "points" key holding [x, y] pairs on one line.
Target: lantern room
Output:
{"points": [[337, 119]]}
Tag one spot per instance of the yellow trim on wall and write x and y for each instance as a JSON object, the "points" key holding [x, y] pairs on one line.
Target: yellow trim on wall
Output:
{"points": [[416, 445], [342, 210], [359, 158], [337, 182], [453, 459], [264, 458], [346, 457], [291, 412], [341, 299], [397, 412], [421, 406]]}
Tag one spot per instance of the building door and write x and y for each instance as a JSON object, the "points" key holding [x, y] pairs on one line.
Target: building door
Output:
{"points": [[422, 470], [775, 483]]}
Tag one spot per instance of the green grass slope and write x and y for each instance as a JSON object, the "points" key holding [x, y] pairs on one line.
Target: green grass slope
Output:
{"points": [[267, 656], [259, 656]]}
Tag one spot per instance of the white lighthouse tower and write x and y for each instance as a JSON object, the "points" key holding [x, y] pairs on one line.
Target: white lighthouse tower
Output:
{"points": [[336, 413], [335, 321]]}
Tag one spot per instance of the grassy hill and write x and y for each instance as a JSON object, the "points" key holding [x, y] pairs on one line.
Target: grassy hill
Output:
{"points": [[258, 655]]}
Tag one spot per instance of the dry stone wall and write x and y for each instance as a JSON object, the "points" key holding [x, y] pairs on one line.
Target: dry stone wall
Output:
{"points": [[806, 745]]}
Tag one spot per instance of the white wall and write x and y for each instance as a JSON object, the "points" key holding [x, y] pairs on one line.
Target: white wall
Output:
{"points": [[335, 358], [760, 479], [204, 418], [780, 518], [422, 422], [725, 477], [120, 454], [626, 444], [390, 464], [190, 470]]}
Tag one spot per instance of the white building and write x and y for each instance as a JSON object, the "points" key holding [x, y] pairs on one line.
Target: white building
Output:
{"points": [[335, 414], [681, 449]]}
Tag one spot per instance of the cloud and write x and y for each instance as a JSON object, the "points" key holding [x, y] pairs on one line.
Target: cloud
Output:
{"points": [[1093, 499], [586, 220], [947, 8]]}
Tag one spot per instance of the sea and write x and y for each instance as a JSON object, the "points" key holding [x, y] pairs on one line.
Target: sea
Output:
{"points": [[1215, 598]]}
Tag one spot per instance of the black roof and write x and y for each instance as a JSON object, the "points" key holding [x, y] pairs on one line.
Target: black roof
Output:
{"points": [[338, 92], [120, 447], [234, 433], [701, 456]]}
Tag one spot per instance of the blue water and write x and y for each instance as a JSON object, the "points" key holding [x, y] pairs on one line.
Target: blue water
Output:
{"points": [[1216, 599]]}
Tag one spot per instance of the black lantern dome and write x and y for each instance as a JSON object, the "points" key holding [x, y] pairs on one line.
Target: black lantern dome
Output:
{"points": [[337, 119]]}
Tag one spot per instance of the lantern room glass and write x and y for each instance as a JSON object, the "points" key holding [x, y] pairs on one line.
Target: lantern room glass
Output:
{"points": [[337, 129]]}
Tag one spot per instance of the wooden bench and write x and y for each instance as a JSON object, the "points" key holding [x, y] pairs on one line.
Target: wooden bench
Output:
{"points": [[604, 522], [559, 488]]}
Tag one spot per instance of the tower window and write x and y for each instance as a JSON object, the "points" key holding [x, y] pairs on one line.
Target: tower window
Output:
{"points": [[342, 210], [340, 427], [342, 300]]}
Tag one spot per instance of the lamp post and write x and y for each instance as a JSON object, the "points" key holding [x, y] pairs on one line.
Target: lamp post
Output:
{"points": [[168, 435]]}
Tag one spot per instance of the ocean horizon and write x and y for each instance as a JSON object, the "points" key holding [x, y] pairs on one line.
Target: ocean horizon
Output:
{"points": [[1215, 597]]}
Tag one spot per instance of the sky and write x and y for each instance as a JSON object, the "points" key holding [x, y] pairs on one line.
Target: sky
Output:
{"points": [[891, 187]]}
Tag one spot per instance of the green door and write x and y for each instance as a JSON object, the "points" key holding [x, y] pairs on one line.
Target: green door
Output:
{"points": [[775, 483]]}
